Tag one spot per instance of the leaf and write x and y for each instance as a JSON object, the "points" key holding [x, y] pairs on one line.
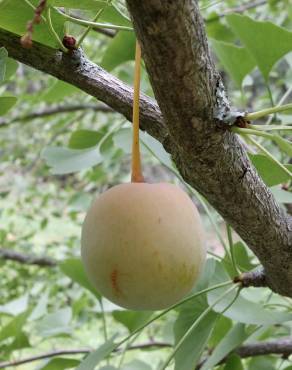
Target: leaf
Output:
{"points": [[56, 323], [268, 170], [261, 38], [3, 59], [6, 103], [13, 327], [11, 68], [79, 202], [132, 319], [20, 341], [82, 139], [15, 14], [261, 362], [190, 352], [66, 160], [217, 30], [233, 363], [236, 60], [77, 4], [97, 356], [243, 310], [16, 306], [222, 327], [156, 149], [285, 145], [73, 268], [41, 308], [109, 15], [282, 196], [59, 91], [59, 363], [241, 258], [120, 50], [136, 365], [236, 336]]}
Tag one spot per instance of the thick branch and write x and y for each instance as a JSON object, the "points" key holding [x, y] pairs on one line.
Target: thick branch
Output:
{"points": [[189, 91], [57, 110], [8, 254], [77, 70]]}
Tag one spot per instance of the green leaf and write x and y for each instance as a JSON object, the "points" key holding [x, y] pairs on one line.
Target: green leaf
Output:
{"points": [[56, 323], [82, 139], [16, 306], [233, 363], [59, 91], [285, 145], [79, 202], [41, 307], [236, 336], [261, 362], [6, 103], [20, 341], [236, 60], [243, 310], [132, 319], [77, 4], [190, 352], [222, 327], [217, 30], [136, 365], [241, 257], [282, 196], [60, 363], [261, 38], [3, 59], [13, 327], [94, 358], [268, 170], [11, 68], [66, 160], [74, 269], [120, 50], [15, 14]]}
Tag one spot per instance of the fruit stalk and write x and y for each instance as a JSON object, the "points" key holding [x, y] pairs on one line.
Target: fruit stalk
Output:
{"points": [[136, 158]]}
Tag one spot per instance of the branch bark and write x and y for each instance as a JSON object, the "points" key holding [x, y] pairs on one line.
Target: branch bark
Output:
{"points": [[189, 92], [11, 255]]}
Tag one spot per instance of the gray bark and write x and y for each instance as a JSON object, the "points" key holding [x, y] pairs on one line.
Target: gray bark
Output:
{"points": [[189, 92]]}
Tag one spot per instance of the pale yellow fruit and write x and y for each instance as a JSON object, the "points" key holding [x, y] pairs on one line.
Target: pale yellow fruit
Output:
{"points": [[142, 245]]}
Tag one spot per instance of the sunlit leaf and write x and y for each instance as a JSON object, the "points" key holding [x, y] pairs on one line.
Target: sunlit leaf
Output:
{"points": [[261, 38]]}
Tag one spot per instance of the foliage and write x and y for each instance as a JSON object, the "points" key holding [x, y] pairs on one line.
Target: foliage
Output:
{"points": [[52, 166]]}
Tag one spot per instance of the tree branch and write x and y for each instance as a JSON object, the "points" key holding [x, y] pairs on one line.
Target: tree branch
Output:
{"points": [[189, 92], [77, 70], [280, 346], [11, 255], [56, 110]]}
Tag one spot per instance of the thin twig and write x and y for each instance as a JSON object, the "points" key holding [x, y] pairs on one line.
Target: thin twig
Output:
{"points": [[7, 254], [56, 110]]}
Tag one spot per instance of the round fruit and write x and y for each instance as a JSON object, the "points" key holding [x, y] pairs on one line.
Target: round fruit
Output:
{"points": [[142, 245]]}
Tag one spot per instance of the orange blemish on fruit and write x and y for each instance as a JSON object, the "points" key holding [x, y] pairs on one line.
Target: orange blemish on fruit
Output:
{"points": [[114, 281]]}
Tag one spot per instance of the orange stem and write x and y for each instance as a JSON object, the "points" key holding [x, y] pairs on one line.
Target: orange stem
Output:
{"points": [[136, 159]]}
